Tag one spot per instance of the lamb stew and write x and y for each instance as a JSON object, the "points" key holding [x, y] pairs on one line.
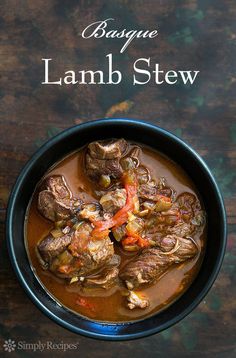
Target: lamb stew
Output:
{"points": [[116, 231]]}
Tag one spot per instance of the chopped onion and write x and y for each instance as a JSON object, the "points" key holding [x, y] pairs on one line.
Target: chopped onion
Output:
{"points": [[59, 224], [74, 279], [56, 233], [77, 225], [134, 226], [131, 248], [163, 205], [143, 212], [119, 233]]}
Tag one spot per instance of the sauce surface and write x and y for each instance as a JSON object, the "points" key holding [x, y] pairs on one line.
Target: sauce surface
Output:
{"points": [[109, 305]]}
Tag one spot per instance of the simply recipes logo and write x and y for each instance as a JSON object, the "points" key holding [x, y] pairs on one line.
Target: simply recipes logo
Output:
{"points": [[11, 345], [144, 70]]}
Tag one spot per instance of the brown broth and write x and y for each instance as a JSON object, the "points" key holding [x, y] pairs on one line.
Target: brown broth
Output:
{"points": [[110, 305]]}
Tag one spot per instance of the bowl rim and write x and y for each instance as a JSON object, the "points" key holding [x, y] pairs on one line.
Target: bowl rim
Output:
{"points": [[9, 234]]}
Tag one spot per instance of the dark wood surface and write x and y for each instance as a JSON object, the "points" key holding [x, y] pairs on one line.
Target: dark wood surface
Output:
{"points": [[194, 34]]}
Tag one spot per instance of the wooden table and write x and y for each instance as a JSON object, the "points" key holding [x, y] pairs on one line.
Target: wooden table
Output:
{"points": [[197, 35]]}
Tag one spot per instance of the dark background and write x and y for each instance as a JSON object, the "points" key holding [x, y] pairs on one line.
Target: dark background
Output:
{"points": [[193, 35]]}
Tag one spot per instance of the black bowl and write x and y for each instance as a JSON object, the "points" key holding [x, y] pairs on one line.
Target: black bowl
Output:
{"points": [[159, 139]]}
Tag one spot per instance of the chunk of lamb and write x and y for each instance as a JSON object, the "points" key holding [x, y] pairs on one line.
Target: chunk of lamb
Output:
{"points": [[55, 201], [90, 254], [192, 217], [76, 253], [131, 160], [152, 263], [107, 149], [154, 199], [102, 160], [113, 200], [181, 229], [106, 277], [190, 209], [136, 300], [161, 222], [90, 211], [51, 247], [151, 191]]}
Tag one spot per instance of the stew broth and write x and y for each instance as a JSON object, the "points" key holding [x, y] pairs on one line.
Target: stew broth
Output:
{"points": [[109, 304]]}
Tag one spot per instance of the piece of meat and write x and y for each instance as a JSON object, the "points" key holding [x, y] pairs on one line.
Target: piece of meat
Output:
{"points": [[107, 149], [136, 300], [58, 186], [199, 219], [188, 205], [131, 159], [51, 208], [113, 200], [90, 211], [152, 263], [162, 221], [90, 256], [114, 261], [183, 219], [151, 191], [148, 191], [192, 217], [76, 253], [104, 279], [143, 175], [103, 158], [181, 229], [95, 168], [90, 253], [51, 247], [169, 217], [55, 201], [64, 259]]}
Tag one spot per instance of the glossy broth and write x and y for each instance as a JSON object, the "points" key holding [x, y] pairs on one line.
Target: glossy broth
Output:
{"points": [[110, 305]]}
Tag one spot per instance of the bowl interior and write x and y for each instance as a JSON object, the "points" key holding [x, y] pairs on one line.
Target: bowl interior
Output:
{"points": [[73, 139]]}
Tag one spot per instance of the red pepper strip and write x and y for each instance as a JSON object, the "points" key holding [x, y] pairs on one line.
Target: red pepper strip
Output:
{"points": [[84, 303], [133, 234], [135, 238], [143, 242], [66, 269], [96, 234], [129, 240], [122, 215]]}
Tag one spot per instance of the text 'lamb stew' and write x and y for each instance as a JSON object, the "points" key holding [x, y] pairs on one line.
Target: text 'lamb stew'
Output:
{"points": [[116, 231]]}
